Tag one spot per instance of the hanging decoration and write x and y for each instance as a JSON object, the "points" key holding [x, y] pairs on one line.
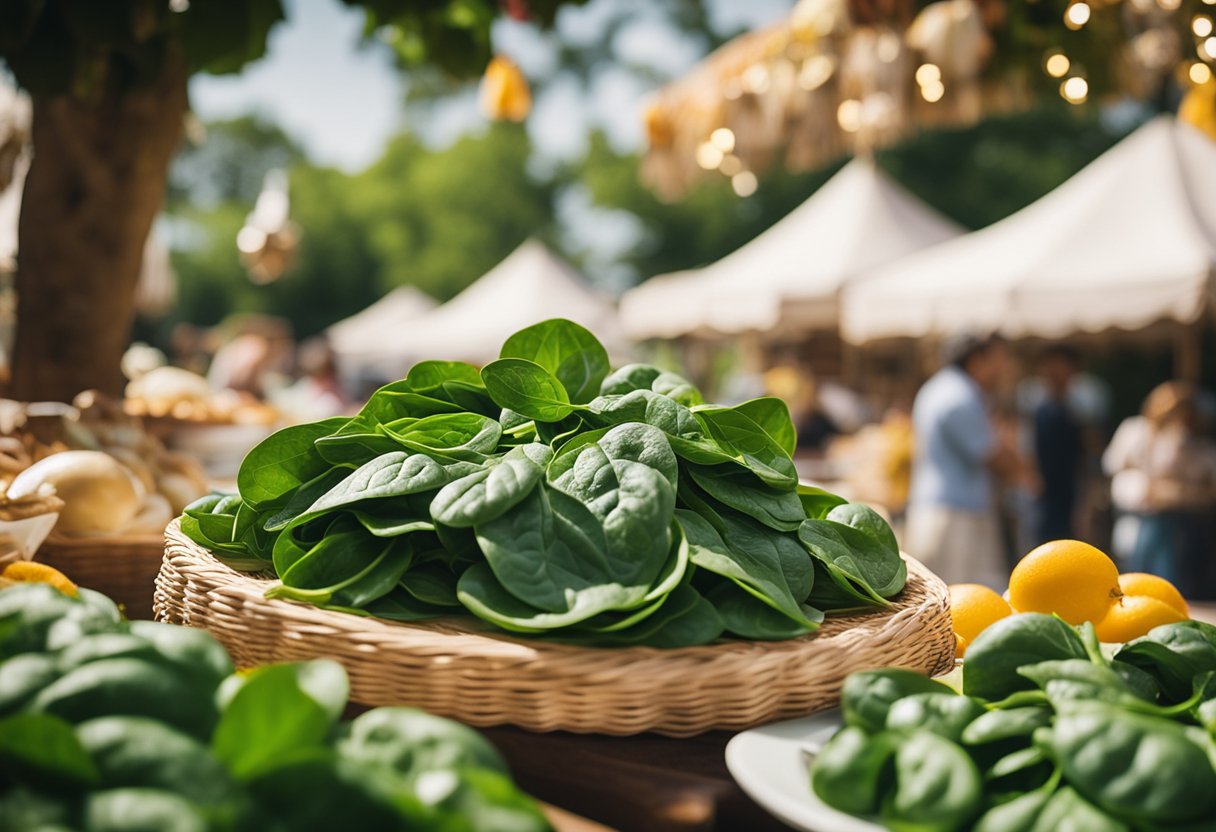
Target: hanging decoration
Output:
{"points": [[269, 238], [849, 76], [504, 91]]}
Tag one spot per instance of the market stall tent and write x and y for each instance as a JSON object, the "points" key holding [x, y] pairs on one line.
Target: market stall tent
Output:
{"points": [[531, 285], [1128, 241], [359, 341], [790, 275]]}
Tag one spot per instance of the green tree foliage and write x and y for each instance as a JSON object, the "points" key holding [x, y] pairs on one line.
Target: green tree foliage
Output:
{"points": [[436, 219]]}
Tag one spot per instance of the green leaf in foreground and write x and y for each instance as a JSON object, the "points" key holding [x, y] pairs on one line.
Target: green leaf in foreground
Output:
{"points": [[568, 351], [528, 389], [280, 714]]}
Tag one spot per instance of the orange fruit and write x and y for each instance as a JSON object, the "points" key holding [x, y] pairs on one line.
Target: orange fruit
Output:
{"points": [[1142, 583], [960, 646], [1134, 615], [28, 572], [973, 608], [1068, 578]]}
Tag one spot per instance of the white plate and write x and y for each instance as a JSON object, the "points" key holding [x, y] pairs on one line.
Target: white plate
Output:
{"points": [[768, 763]]}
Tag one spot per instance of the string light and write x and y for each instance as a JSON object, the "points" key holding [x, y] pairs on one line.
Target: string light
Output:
{"points": [[744, 183], [1172, 5], [1077, 15], [815, 72], [933, 92], [1201, 26], [928, 74], [1075, 90], [1058, 65], [755, 79], [1200, 74], [888, 47], [848, 115], [1209, 48], [708, 156], [723, 138], [731, 165]]}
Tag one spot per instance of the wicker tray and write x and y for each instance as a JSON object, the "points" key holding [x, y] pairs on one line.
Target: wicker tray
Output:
{"points": [[123, 568], [458, 669]]}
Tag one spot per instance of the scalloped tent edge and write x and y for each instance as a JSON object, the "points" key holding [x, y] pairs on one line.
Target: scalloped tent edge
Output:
{"points": [[789, 276], [1129, 241]]}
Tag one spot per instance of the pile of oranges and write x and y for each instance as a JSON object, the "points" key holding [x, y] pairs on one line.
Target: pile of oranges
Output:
{"points": [[1077, 582]]}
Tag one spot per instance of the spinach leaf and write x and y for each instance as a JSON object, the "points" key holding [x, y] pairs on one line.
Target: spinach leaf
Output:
{"points": [[303, 498], [630, 442], [1018, 762], [683, 430], [1173, 654], [746, 616], [684, 619], [1079, 679], [282, 462], [487, 493], [528, 389], [457, 436], [772, 415], [998, 725], [749, 444], [1133, 765], [1068, 811], [646, 377], [551, 553], [854, 769], [994, 658], [432, 584], [395, 474], [867, 696], [752, 557], [817, 502], [859, 551], [1018, 815], [413, 742], [36, 746], [944, 714], [780, 510], [568, 351], [937, 786], [280, 714]]}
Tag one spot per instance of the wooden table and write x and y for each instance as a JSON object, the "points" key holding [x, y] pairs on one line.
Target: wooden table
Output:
{"points": [[647, 783]]}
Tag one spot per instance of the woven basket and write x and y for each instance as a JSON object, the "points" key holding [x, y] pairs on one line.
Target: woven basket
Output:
{"points": [[123, 568], [457, 668]]}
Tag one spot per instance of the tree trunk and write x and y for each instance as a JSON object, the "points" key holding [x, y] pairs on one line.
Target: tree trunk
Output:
{"points": [[94, 187]]}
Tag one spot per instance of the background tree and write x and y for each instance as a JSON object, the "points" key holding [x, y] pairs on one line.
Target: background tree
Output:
{"points": [[108, 84]]}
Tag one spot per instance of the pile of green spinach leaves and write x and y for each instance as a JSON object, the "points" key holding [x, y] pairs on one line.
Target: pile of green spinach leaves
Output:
{"points": [[115, 726], [1050, 733], [548, 495]]}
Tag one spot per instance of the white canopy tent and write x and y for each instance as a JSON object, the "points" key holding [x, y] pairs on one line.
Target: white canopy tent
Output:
{"points": [[531, 285], [359, 341], [790, 275], [1128, 241]]}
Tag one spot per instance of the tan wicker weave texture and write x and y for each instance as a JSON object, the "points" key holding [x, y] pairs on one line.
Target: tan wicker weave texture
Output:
{"points": [[124, 568], [456, 668]]}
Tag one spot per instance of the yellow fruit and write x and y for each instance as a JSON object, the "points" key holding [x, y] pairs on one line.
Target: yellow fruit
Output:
{"points": [[1141, 583], [1067, 577], [974, 608], [960, 646], [28, 572], [1134, 615]]}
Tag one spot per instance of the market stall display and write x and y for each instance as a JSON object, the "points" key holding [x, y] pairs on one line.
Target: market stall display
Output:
{"points": [[551, 498], [118, 485], [107, 724]]}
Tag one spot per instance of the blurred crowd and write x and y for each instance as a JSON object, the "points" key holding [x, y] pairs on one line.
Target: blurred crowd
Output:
{"points": [[984, 466]]}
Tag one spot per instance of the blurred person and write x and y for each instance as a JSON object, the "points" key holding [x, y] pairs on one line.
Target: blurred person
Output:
{"points": [[797, 389], [1163, 472], [1059, 446], [952, 522], [318, 393]]}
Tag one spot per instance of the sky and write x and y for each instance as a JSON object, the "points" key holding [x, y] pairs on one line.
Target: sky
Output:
{"points": [[342, 99]]}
